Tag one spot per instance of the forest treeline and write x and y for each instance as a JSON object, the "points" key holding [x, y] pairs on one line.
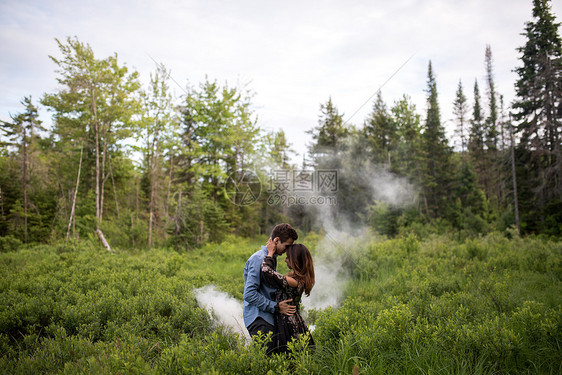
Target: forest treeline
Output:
{"points": [[145, 167]]}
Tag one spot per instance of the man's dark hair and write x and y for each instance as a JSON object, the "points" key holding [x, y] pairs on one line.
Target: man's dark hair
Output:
{"points": [[284, 232]]}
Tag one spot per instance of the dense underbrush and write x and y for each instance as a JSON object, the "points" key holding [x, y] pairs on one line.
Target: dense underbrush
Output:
{"points": [[484, 306], [487, 305]]}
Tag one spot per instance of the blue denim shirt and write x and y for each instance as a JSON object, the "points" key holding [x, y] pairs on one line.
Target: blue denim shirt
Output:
{"points": [[258, 297]]}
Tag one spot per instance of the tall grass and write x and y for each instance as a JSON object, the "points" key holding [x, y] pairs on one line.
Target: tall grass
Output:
{"points": [[486, 305]]}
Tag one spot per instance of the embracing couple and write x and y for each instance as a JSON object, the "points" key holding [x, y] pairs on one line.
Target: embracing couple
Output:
{"points": [[272, 300]]}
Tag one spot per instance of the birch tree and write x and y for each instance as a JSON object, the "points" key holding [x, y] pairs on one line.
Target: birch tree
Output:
{"points": [[94, 104]]}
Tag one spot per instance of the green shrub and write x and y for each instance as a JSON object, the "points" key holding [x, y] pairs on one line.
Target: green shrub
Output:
{"points": [[487, 305], [9, 243]]}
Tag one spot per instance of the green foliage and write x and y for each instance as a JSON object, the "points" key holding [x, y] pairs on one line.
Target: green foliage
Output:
{"points": [[121, 309], [9, 243], [407, 156], [381, 132], [196, 146], [436, 155], [442, 305], [330, 134], [487, 305], [199, 219], [538, 115], [384, 218], [460, 109]]}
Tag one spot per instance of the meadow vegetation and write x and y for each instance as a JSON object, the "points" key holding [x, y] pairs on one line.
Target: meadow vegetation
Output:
{"points": [[486, 305]]}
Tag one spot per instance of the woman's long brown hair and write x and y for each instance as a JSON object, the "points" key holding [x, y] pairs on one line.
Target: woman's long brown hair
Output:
{"points": [[302, 266]]}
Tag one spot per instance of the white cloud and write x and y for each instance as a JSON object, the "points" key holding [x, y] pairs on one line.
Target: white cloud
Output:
{"points": [[296, 54]]}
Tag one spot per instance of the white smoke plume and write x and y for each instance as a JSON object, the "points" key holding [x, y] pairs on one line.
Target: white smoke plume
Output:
{"points": [[343, 241], [340, 242], [330, 274], [225, 310], [391, 189]]}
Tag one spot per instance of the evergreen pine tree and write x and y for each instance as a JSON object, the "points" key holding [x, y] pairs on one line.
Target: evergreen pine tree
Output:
{"points": [[331, 133], [436, 154], [406, 121], [538, 111], [460, 109], [491, 137], [21, 133], [476, 140], [492, 125], [380, 132]]}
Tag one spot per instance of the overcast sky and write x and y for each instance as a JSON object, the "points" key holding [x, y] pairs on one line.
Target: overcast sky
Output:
{"points": [[293, 54]]}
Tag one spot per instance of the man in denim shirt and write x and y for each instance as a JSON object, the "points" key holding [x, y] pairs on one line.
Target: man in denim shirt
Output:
{"points": [[258, 297]]}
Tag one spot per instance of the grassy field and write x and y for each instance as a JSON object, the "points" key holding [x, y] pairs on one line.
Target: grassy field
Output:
{"points": [[488, 305]]}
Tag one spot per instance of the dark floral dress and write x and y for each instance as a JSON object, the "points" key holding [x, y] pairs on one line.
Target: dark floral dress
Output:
{"points": [[286, 327]]}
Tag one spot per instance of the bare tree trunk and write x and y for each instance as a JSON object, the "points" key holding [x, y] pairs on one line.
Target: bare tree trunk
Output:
{"points": [[235, 178], [102, 239], [169, 182], [153, 185], [97, 139], [72, 210], [132, 229], [24, 183], [151, 215], [114, 191], [178, 214], [177, 219], [137, 206], [514, 179], [150, 228], [201, 231], [103, 176], [389, 162]]}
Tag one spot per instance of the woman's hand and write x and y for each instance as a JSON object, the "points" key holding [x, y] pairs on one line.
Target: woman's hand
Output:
{"points": [[270, 247], [286, 309]]}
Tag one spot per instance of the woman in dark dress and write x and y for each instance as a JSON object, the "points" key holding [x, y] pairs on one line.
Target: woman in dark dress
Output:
{"points": [[298, 281]]}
